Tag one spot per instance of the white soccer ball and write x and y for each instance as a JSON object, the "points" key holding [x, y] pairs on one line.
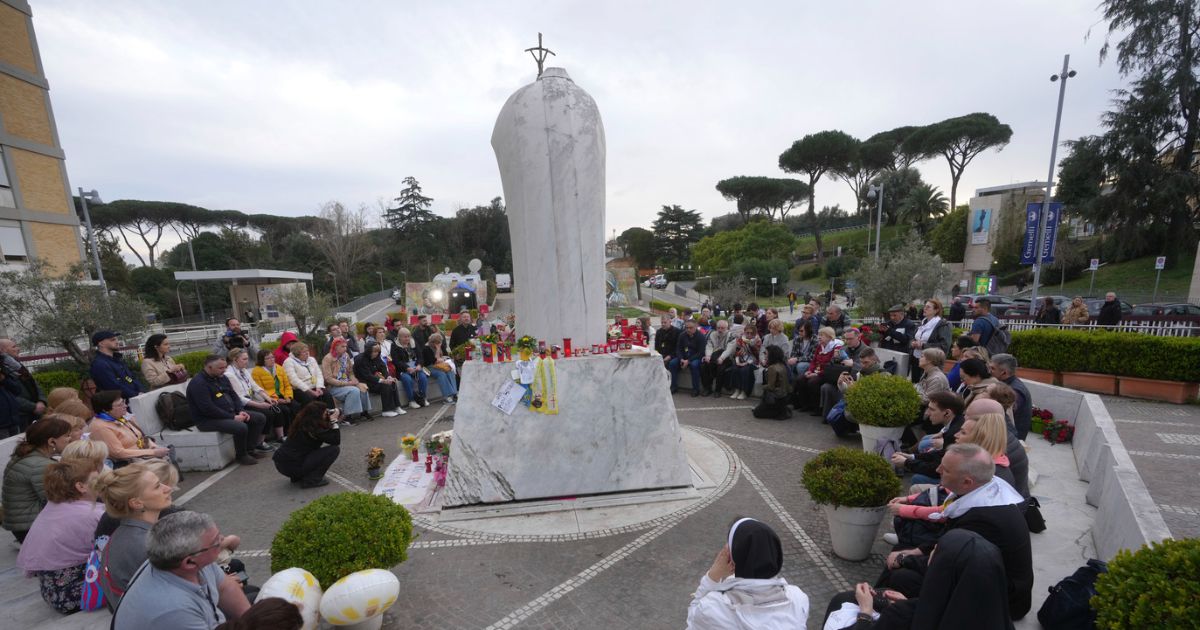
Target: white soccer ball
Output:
{"points": [[359, 596], [298, 587]]}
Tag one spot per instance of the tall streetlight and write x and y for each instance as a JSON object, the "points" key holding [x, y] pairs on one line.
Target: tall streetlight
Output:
{"points": [[1066, 73], [337, 294], [754, 281], [87, 219], [380, 274], [876, 192]]}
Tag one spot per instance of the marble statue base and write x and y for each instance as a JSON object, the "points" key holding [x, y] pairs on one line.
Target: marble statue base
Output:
{"points": [[616, 431]]}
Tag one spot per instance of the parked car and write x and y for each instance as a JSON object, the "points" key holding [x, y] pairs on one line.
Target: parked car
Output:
{"points": [[1020, 306], [1000, 303], [398, 296], [657, 282], [1166, 309]]}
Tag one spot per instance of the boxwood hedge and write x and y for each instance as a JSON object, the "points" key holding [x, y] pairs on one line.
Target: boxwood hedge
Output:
{"points": [[1119, 353]]}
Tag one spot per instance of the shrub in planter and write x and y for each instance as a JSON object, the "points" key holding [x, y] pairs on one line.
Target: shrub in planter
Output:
{"points": [[1118, 353], [339, 534], [193, 361], [1156, 587], [851, 478], [660, 305], [883, 400], [57, 378]]}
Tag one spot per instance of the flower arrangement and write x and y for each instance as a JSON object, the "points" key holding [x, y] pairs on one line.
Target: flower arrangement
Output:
{"points": [[490, 338], [614, 332], [526, 342], [1041, 418], [374, 462], [408, 442], [1058, 432], [439, 443]]}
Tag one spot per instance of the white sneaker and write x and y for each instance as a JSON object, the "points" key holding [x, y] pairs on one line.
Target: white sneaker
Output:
{"points": [[412, 404], [891, 538], [389, 414], [734, 395], [425, 402], [450, 400], [741, 395]]}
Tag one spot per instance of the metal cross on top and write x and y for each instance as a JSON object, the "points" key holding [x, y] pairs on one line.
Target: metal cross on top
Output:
{"points": [[539, 54]]}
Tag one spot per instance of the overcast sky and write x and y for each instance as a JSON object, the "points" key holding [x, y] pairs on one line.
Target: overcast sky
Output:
{"points": [[278, 107]]}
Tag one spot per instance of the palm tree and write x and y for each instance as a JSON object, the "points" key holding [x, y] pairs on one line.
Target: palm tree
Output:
{"points": [[922, 205]]}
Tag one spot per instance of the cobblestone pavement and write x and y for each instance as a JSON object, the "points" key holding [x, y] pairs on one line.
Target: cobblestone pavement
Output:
{"points": [[1164, 442], [635, 579]]}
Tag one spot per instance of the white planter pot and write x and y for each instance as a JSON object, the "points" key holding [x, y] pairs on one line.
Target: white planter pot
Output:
{"points": [[870, 434], [853, 530]]}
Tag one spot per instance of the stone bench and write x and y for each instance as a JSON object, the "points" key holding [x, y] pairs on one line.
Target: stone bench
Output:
{"points": [[194, 449]]}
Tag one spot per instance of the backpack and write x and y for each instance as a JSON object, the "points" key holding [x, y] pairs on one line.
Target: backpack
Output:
{"points": [[1068, 607], [998, 342], [173, 411]]}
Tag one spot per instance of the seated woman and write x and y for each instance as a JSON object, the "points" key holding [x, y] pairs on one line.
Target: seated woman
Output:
{"points": [[956, 352], [24, 494], [371, 370], [774, 405], [305, 376], [974, 352], [802, 350], [78, 414], [406, 356], [988, 430], [158, 368], [134, 497], [59, 542], [774, 337], [743, 354], [976, 379], [59, 395], [274, 381], [743, 589], [932, 380], [255, 397], [302, 458], [338, 369], [828, 352], [964, 587], [440, 367], [125, 440], [284, 349]]}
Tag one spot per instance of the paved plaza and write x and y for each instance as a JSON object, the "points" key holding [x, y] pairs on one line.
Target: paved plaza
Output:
{"points": [[631, 576]]}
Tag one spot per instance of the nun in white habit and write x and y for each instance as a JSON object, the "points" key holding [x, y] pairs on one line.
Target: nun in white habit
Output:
{"points": [[743, 589]]}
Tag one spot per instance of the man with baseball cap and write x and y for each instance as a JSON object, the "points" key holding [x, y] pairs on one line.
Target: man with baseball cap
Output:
{"points": [[108, 370]]}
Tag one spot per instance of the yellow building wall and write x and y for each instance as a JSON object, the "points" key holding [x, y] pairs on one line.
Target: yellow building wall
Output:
{"points": [[55, 244], [39, 179], [23, 108], [15, 46]]}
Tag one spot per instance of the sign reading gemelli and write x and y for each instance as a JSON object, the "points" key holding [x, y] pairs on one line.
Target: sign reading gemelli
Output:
{"points": [[1028, 246]]}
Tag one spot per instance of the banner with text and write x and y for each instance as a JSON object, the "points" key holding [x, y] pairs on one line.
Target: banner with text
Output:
{"points": [[1028, 249]]}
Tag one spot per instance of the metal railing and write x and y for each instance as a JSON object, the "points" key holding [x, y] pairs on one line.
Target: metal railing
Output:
{"points": [[365, 300], [1154, 327]]}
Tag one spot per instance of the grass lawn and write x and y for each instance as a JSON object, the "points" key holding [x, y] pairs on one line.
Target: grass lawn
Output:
{"points": [[1134, 278], [807, 245], [625, 311]]}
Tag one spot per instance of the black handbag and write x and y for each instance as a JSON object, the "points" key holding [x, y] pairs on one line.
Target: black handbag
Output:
{"points": [[1033, 515]]}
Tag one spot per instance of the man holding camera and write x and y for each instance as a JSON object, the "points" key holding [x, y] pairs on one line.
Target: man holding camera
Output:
{"points": [[234, 337]]}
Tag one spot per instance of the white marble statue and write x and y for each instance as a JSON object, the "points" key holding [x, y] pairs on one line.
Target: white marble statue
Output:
{"points": [[549, 144]]}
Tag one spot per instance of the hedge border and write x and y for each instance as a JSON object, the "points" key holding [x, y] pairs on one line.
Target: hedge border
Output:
{"points": [[1117, 353]]}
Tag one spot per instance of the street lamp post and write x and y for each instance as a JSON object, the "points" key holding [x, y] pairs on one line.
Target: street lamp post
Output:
{"points": [[754, 281], [337, 294], [91, 233], [1067, 73], [380, 274], [876, 192]]}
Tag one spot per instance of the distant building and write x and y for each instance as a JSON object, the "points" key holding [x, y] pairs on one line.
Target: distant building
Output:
{"points": [[37, 214], [991, 209]]}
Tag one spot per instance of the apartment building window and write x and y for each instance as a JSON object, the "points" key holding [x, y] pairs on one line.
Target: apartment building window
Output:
{"points": [[12, 242], [6, 194]]}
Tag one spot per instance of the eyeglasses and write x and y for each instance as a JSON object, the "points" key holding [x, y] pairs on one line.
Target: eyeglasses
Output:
{"points": [[212, 546]]}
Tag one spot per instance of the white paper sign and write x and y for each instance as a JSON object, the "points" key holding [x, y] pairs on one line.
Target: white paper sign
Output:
{"points": [[405, 482], [508, 397], [1160, 262]]}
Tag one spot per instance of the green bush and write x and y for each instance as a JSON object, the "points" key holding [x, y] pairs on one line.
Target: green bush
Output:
{"points": [[267, 345], [1156, 587], [193, 361], [57, 378], [339, 534], [883, 400], [811, 272], [659, 305], [1102, 352], [850, 477], [677, 275]]}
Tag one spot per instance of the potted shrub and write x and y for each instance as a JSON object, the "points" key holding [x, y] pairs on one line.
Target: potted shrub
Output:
{"points": [[1156, 587], [882, 405], [339, 534], [853, 488]]}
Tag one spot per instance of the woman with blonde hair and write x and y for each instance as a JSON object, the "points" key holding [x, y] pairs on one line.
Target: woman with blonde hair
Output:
{"points": [[60, 539], [59, 395], [92, 451], [1077, 313], [406, 356], [932, 378], [137, 497], [304, 374], [989, 432]]}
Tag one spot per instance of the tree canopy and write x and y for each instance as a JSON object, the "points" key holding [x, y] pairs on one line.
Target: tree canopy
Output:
{"points": [[675, 230], [815, 155], [758, 240], [638, 244], [959, 140], [909, 272], [411, 208], [764, 194]]}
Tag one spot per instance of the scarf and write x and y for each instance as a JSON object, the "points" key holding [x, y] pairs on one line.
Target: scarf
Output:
{"points": [[755, 549], [343, 373], [995, 492], [122, 422], [545, 386], [925, 330]]}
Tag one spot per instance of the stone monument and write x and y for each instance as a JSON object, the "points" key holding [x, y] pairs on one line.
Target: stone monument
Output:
{"points": [[549, 143], [615, 429]]}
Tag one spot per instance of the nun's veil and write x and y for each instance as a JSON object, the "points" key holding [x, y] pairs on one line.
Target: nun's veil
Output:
{"points": [[755, 549]]}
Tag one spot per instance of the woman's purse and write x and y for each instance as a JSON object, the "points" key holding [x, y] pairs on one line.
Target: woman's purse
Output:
{"points": [[179, 375]]}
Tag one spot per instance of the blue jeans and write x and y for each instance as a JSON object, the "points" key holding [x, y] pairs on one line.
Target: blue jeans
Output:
{"points": [[421, 382], [353, 401], [743, 378], [693, 366], [445, 381], [919, 478]]}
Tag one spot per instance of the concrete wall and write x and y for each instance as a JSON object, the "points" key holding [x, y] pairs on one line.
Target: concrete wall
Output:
{"points": [[1126, 516]]}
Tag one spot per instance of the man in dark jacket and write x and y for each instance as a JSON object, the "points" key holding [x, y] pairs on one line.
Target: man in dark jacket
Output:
{"points": [[666, 339], [30, 401], [900, 331], [689, 349], [1110, 311], [1004, 368], [945, 413], [108, 370], [957, 311], [836, 319], [994, 513], [216, 407], [463, 332]]}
